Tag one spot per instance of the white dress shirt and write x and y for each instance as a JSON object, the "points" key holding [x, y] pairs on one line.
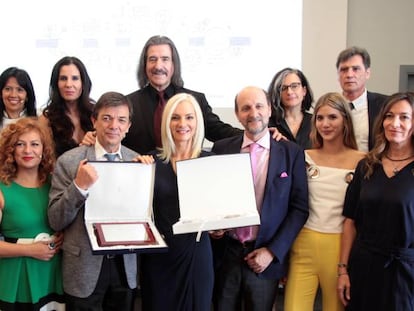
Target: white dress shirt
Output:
{"points": [[360, 121]]}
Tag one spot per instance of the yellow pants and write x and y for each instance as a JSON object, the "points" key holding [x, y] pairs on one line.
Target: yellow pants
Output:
{"points": [[313, 262]]}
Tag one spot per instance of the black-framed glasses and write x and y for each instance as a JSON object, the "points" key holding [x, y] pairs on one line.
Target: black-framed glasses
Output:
{"points": [[293, 86]]}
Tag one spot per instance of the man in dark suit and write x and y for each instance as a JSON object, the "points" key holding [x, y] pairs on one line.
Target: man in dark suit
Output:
{"points": [[354, 69], [92, 282], [159, 75], [252, 265]]}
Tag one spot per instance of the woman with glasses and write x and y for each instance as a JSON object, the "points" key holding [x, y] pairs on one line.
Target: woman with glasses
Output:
{"points": [[331, 163], [291, 98]]}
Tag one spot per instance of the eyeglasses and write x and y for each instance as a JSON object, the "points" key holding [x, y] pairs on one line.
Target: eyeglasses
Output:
{"points": [[293, 86]]}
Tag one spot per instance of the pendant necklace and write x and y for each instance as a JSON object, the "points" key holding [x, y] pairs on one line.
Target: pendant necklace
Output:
{"points": [[395, 169]]}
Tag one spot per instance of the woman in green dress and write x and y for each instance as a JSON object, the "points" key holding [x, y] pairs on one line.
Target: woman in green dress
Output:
{"points": [[30, 272]]}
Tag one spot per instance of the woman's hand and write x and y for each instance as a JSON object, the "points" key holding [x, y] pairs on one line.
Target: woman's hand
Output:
{"points": [[276, 135], [146, 159], [89, 139], [344, 288], [40, 250]]}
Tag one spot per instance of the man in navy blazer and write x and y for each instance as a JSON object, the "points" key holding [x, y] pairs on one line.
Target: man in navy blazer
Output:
{"points": [[250, 270], [354, 69]]}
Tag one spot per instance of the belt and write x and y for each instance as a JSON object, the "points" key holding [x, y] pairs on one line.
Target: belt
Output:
{"points": [[19, 241], [401, 255], [40, 237]]}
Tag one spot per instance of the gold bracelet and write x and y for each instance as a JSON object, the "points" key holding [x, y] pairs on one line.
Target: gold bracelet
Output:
{"points": [[342, 265]]}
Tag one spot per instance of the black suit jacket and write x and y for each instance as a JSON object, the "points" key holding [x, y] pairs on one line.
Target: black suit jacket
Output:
{"points": [[140, 137], [375, 103], [285, 203]]}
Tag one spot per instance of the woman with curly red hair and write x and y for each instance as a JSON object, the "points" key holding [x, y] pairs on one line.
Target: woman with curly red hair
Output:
{"points": [[30, 272]]}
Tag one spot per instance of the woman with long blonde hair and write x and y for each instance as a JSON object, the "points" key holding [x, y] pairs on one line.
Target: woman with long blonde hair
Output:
{"points": [[186, 269], [330, 164]]}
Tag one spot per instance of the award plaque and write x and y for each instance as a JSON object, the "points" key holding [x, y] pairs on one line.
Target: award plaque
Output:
{"points": [[124, 233], [118, 209]]}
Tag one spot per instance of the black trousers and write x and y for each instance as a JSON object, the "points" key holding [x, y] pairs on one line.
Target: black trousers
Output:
{"points": [[238, 287], [111, 292]]}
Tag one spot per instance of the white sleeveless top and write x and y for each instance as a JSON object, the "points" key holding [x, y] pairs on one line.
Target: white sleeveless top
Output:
{"points": [[327, 188]]}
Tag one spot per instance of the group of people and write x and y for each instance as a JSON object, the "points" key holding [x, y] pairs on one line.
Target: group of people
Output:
{"points": [[327, 219]]}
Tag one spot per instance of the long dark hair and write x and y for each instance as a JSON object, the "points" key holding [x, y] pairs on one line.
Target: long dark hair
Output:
{"points": [[55, 111], [23, 79]]}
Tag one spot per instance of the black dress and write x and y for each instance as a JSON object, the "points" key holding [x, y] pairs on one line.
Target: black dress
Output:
{"points": [[182, 278], [381, 263], [302, 136]]}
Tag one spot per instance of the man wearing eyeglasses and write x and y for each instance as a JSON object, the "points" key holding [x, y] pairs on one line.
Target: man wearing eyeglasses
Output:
{"points": [[353, 67]]}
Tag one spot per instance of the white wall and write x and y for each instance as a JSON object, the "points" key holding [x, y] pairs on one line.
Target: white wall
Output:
{"points": [[384, 28], [223, 45], [324, 35]]}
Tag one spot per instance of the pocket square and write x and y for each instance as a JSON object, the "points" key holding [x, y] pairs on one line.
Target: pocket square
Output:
{"points": [[283, 175]]}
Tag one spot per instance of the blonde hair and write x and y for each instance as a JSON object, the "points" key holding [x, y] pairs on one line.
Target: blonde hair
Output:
{"points": [[168, 145], [9, 137], [337, 102]]}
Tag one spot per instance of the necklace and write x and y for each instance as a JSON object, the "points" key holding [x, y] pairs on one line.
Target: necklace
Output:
{"points": [[399, 160], [395, 169]]}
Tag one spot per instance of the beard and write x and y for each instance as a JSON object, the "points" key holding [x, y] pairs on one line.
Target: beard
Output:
{"points": [[259, 128]]}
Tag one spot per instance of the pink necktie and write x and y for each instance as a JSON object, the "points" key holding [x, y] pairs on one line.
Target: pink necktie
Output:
{"points": [[157, 118], [253, 148], [246, 233]]}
